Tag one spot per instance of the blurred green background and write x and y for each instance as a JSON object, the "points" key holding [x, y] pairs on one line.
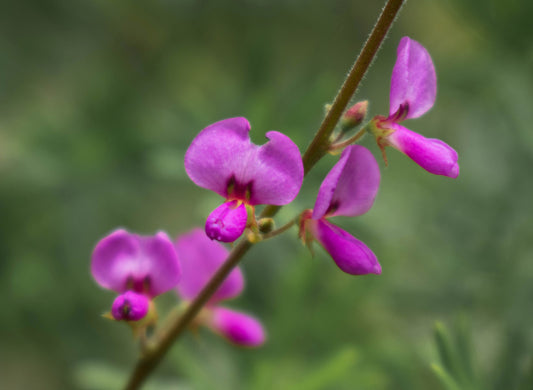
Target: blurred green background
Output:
{"points": [[98, 103]]}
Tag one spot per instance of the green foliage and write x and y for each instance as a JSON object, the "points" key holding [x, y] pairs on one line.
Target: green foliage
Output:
{"points": [[456, 371], [511, 370], [98, 103], [102, 376]]}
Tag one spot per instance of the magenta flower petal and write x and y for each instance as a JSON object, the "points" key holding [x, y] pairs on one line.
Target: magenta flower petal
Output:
{"points": [[130, 306], [227, 222], [146, 264], [200, 259], [276, 174], [110, 257], [219, 153], [223, 159], [432, 154], [413, 82], [163, 269], [351, 186], [238, 327], [351, 255]]}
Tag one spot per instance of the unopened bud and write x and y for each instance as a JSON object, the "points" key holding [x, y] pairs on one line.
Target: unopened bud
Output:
{"points": [[354, 116], [265, 225]]}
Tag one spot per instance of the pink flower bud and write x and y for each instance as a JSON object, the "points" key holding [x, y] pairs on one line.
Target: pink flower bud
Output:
{"points": [[354, 116]]}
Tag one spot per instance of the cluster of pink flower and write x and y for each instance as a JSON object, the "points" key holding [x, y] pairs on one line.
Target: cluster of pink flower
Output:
{"points": [[223, 159], [140, 268]]}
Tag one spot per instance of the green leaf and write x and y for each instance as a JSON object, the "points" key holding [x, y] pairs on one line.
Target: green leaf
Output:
{"points": [[330, 372], [464, 348], [447, 351], [445, 378]]}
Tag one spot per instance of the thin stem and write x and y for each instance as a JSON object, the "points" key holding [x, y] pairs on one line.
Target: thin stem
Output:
{"points": [[282, 229], [338, 137], [349, 141], [316, 150], [148, 362], [319, 145]]}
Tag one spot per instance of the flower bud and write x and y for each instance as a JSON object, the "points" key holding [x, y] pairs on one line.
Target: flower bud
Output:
{"points": [[265, 225], [354, 116]]}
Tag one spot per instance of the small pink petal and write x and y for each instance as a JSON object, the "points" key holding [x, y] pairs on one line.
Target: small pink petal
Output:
{"points": [[161, 263], [146, 264], [218, 153], [277, 172], [432, 154], [351, 186], [413, 82], [227, 222], [351, 255], [223, 159], [238, 327], [130, 306], [200, 259]]}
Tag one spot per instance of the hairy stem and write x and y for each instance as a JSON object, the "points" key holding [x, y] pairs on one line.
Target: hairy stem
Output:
{"points": [[349, 141], [320, 143], [315, 151]]}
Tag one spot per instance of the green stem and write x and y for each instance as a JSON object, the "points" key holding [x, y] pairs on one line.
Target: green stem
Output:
{"points": [[319, 145], [316, 150], [349, 141], [149, 361], [282, 229]]}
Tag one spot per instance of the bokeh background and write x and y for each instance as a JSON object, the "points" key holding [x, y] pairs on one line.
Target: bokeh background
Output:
{"points": [[98, 103]]}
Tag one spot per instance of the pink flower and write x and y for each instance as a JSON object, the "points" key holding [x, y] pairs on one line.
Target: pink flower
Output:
{"points": [[139, 268], [412, 94], [223, 159], [201, 258], [349, 189]]}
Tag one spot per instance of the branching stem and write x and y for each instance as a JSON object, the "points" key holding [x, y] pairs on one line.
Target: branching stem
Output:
{"points": [[279, 231], [349, 141], [316, 150]]}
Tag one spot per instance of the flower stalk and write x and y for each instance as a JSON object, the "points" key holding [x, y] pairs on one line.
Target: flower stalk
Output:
{"points": [[341, 145], [280, 230], [318, 147]]}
